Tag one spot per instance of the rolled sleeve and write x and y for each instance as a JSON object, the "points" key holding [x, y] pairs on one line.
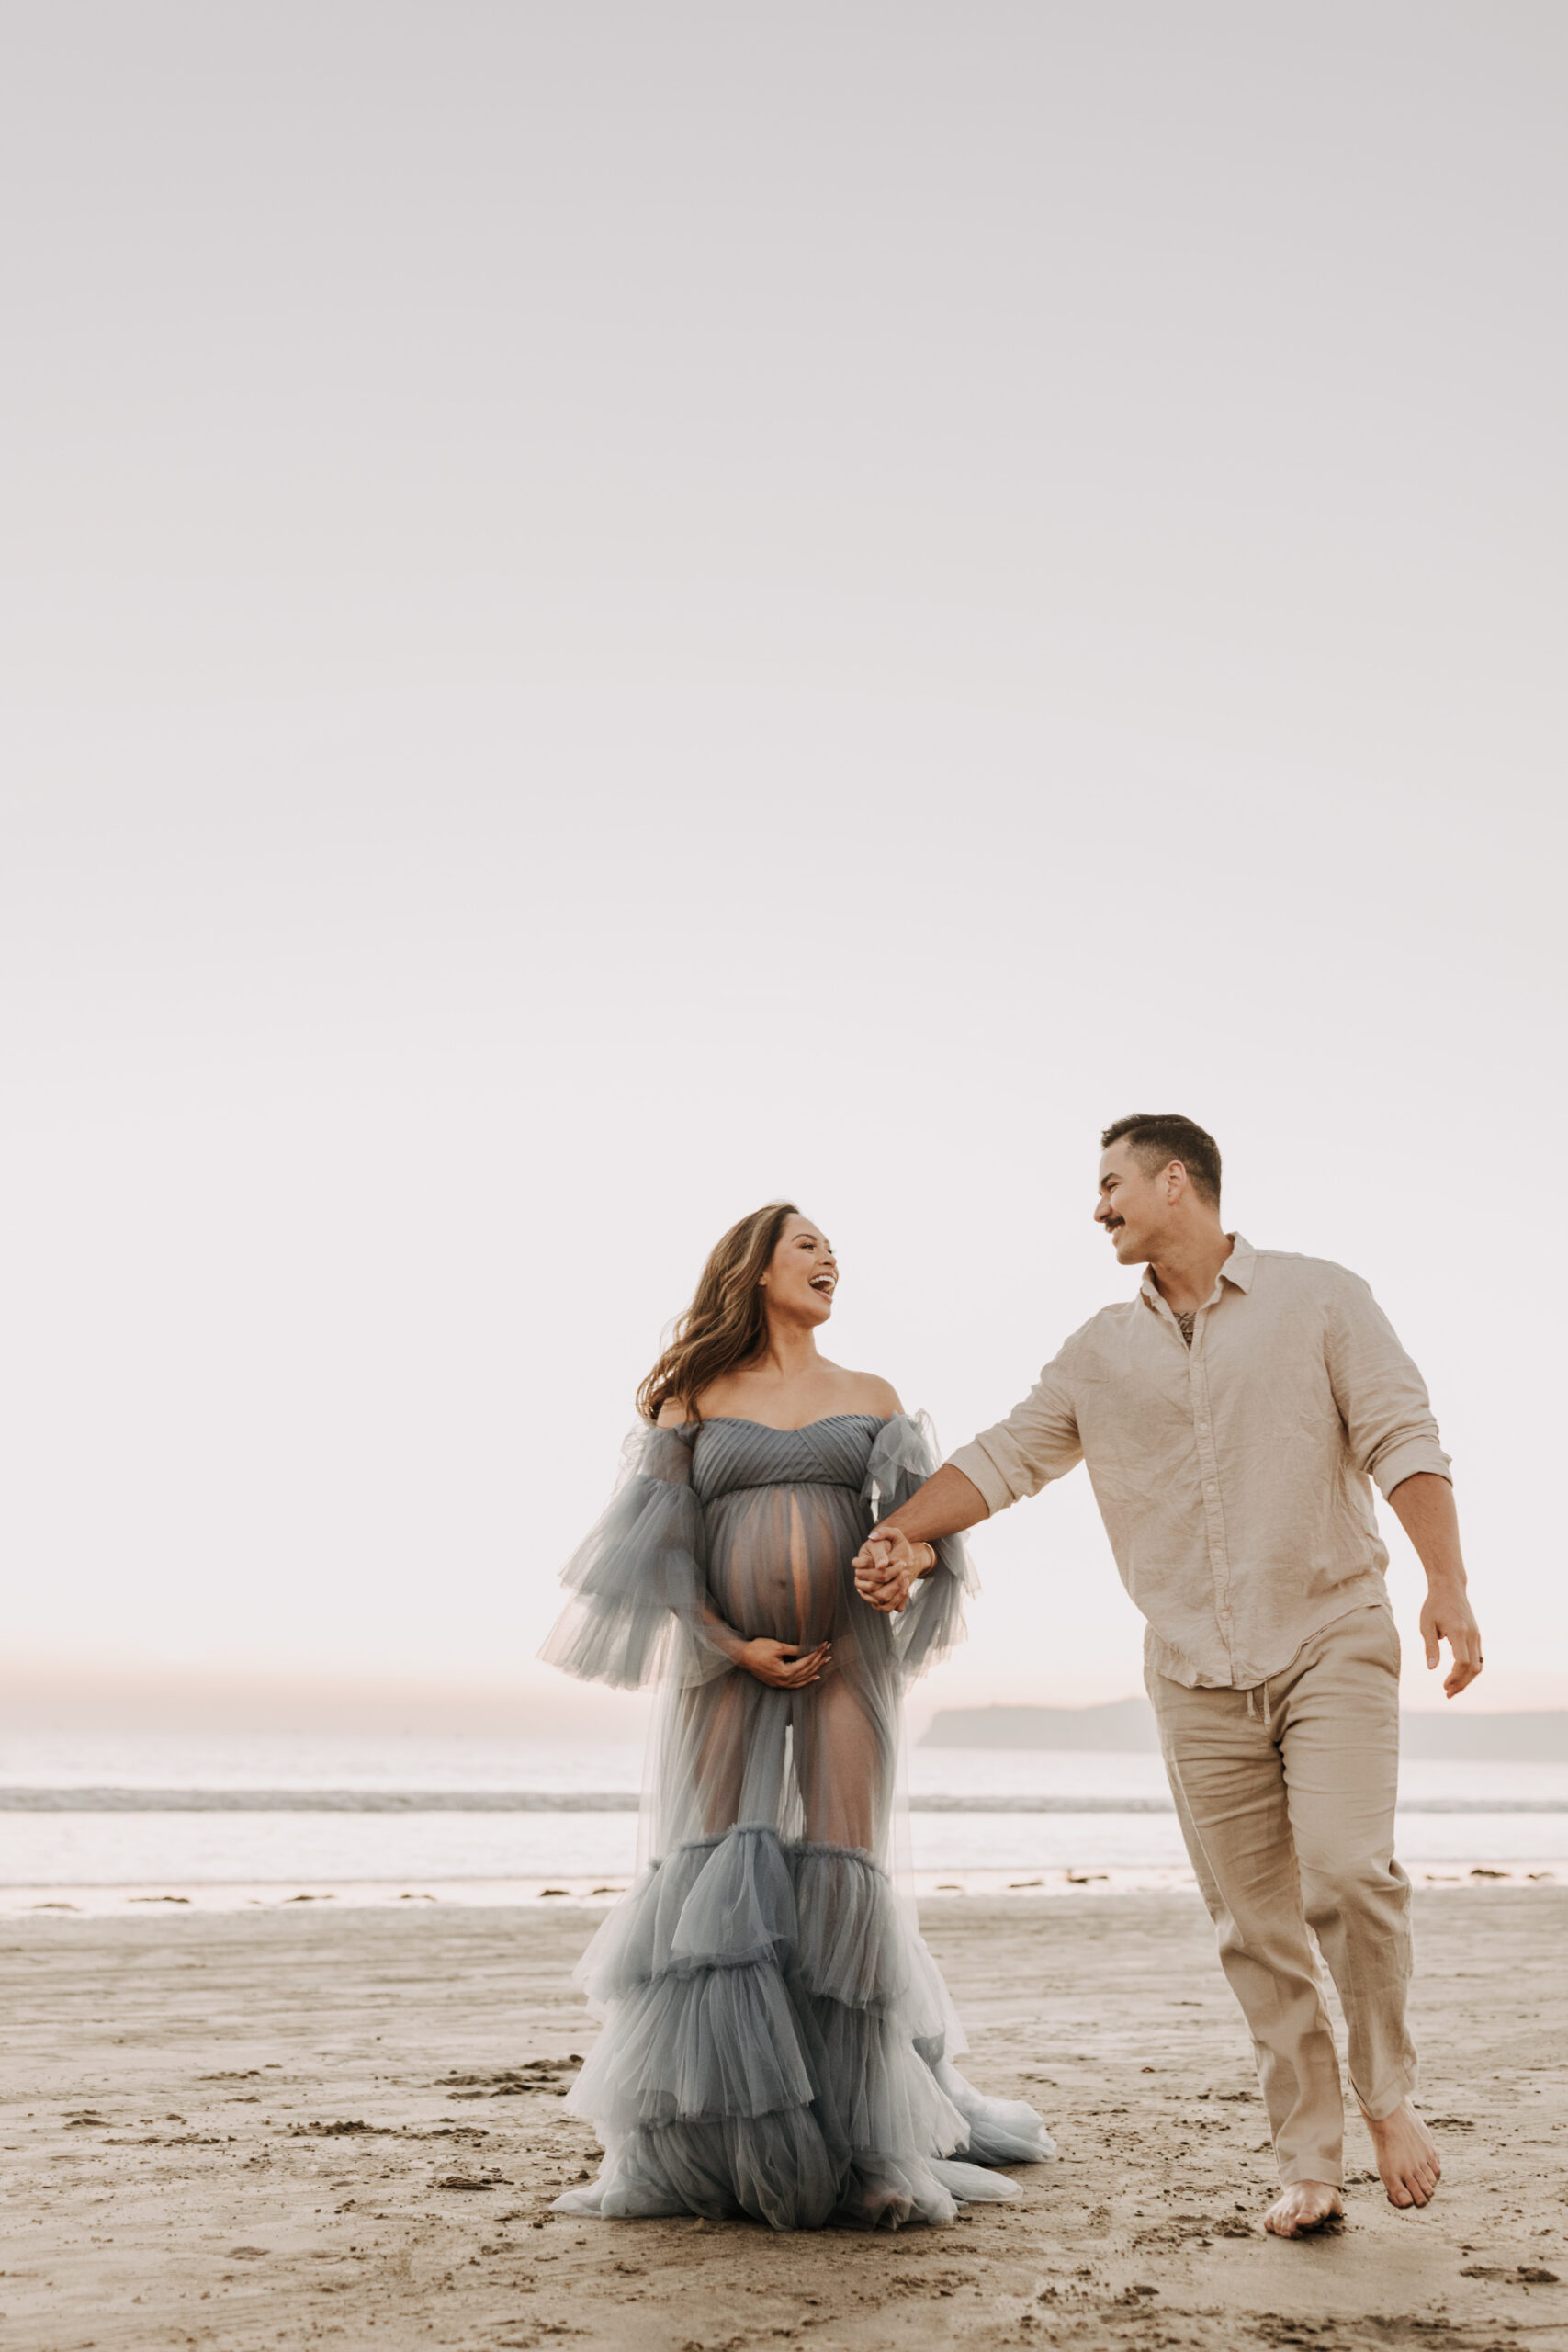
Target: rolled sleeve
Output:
{"points": [[1038, 1441], [981, 1471], [1381, 1398], [1406, 1461]]}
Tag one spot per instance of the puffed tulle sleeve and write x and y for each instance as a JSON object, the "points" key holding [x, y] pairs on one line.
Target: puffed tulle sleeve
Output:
{"points": [[637, 1581], [904, 1456]]}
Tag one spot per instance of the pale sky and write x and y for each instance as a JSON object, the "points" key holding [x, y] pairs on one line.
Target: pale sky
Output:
{"points": [[613, 612]]}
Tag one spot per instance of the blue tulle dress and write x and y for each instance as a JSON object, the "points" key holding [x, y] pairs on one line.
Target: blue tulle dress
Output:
{"points": [[777, 2039]]}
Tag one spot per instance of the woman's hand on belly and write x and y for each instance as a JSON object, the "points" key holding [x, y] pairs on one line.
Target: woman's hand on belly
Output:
{"points": [[784, 1666]]}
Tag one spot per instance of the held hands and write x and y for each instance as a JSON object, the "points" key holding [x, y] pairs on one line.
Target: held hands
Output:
{"points": [[886, 1567], [1447, 1616], [784, 1665]]}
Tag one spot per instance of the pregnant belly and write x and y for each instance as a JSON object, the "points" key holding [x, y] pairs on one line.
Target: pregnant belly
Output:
{"points": [[786, 1607], [782, 1573]]}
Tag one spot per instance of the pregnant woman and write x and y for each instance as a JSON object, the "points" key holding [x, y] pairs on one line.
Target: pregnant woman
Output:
{"points": [[778, 2041]]}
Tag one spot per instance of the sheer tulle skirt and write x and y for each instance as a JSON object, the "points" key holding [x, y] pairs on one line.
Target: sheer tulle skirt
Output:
{"points": [[777, 2045]]}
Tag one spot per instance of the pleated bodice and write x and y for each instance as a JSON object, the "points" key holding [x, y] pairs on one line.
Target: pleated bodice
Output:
{"points": [[729, 1456]]}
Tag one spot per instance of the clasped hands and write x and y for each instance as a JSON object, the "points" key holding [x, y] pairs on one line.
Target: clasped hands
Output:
{"points": [[886, 1566]]}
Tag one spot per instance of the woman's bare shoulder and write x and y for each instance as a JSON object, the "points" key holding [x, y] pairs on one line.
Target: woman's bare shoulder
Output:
{"points": [[871, 1395], [674, 1414]]}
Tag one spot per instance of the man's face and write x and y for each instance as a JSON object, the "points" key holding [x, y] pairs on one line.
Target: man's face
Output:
{"points": [[1133, 1207]]}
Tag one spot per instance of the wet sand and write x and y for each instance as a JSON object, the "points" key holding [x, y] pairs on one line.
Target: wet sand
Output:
{"points": [[248, 2130]]}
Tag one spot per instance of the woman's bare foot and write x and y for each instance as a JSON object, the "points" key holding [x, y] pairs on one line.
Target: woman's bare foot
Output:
{"points": [[1304, 2206], [1408, 2157], [884, 2206]]}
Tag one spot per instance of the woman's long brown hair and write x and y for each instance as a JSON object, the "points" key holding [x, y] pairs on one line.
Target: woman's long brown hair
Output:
{"points": [[726, 1322]]}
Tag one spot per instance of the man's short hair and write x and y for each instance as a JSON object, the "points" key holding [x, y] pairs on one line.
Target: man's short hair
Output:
{"points": [[1156, 1137]]}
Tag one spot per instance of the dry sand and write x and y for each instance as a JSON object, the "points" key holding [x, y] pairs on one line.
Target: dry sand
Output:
{"points": [[244, 2131]]}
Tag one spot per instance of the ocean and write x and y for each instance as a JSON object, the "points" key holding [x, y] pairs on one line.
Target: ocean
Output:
{"points": [[97, 1822]]}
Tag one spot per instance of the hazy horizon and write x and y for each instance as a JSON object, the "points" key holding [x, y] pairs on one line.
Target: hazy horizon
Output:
{"points": [[203, 1700]]}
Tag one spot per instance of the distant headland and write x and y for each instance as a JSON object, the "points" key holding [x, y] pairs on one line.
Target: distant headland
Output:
{"points": [[1127, 1726]]}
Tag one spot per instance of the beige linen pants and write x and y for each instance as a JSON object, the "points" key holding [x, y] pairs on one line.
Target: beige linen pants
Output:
{"points": [[1286, 1796]]}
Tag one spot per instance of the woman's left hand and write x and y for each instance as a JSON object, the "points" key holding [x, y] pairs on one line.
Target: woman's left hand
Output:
{"points": [[784, 1666]]}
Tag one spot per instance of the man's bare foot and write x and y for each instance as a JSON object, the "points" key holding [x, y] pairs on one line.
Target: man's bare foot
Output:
{"points": [[1407, 2158], [1304, 2206]]}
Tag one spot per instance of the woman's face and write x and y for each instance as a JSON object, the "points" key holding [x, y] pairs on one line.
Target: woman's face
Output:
{"points": [[802, 1274]]}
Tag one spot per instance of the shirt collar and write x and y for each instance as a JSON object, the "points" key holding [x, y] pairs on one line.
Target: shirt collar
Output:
{"points": [[1239, 1266], [1238, 1269]]}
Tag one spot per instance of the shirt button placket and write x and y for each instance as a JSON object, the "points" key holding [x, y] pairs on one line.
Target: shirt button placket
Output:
{"points": [[1209, 1467]]}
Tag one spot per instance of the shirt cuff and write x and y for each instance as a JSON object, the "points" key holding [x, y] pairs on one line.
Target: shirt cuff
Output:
{"points": [[982, 1471], [1406, 1459]]}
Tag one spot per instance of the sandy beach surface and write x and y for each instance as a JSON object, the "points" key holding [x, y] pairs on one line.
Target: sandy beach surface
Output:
{"points": [[298, 2125]]}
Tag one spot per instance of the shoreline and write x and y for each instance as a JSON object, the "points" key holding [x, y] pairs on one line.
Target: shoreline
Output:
{"points": [[117, 1899]]}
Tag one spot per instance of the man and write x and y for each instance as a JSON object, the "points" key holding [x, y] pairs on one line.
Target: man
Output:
{"points": [[1233, 1417]]}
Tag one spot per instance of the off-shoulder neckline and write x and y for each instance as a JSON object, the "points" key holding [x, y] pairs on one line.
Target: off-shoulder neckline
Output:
{"points": [[741, 1422]]}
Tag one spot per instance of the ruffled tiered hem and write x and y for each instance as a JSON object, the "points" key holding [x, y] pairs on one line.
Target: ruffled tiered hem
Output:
{"points": [[775, 2045]]}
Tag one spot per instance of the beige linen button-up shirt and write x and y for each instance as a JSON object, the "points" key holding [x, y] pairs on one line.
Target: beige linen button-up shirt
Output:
{"points": [[1232, 1476]]}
